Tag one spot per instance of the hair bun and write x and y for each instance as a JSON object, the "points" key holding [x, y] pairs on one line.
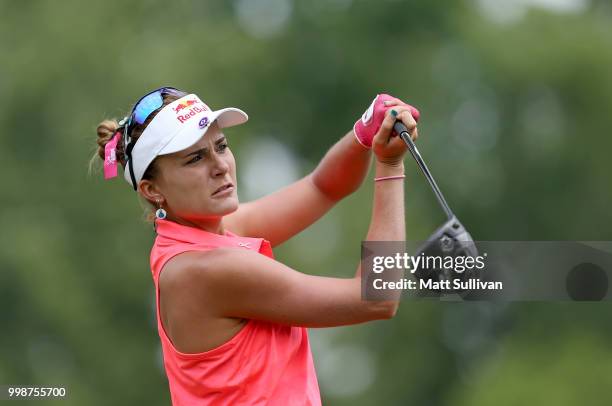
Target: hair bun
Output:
{"points": [[106, 129]]}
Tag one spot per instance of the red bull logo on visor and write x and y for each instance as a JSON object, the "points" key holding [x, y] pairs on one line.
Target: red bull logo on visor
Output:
{"points": [[188, 109]]}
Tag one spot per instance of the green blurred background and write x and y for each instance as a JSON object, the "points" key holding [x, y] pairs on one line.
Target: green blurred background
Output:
{"points": [[515, 98]]}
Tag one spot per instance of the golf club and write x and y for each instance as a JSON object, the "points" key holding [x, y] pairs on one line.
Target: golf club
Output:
{"points": [[450, 239]]}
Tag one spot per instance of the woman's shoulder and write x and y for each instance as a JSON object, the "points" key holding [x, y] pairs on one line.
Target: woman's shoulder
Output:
{"points": [[194, 267]]}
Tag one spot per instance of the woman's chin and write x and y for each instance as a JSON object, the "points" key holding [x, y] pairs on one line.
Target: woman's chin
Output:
{"points": [[227, 205]]}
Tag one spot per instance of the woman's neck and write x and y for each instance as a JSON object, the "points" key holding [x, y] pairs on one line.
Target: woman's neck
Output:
{"points": [[214, 225]]}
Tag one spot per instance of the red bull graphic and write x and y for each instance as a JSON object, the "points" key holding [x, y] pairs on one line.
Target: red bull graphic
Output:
{"points": [[194, 107], [184, 105]]}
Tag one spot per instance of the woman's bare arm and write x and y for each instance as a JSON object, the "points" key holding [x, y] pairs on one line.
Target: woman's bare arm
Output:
{"points": [[236, 283]]}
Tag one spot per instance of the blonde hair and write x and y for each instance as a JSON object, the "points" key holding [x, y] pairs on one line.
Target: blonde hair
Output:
{"points": [[105, 132]]}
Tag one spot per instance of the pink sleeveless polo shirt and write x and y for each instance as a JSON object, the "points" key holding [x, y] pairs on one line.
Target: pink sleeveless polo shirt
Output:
{"points": [[263, 364]]}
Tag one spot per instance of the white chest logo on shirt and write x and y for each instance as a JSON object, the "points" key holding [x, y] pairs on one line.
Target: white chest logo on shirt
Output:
{"points": [[244, 244]]}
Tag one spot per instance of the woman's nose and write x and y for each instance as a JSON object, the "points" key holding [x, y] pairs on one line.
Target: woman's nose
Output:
{"points": [[220, 165]]}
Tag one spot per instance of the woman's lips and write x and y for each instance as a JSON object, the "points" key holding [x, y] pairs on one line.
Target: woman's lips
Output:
{"points": [[224, 190]]}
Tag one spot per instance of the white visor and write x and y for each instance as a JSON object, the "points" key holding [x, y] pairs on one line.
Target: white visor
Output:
{"points": [[176, 127]]}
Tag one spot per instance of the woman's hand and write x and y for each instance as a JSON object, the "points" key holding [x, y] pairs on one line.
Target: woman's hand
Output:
{"points": [[369, 123], [387, 146]]}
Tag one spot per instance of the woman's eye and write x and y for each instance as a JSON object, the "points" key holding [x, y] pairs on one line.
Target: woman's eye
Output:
{"points": [[195, 159]]}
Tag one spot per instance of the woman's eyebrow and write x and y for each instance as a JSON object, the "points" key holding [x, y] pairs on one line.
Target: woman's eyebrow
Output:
{"points": [[202, 150]]}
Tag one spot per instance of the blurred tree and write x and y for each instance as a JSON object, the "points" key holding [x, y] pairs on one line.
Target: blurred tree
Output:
{"points": [[514, 126]]}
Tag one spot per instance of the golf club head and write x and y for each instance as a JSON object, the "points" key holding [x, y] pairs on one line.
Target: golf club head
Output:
{"points": [[451, 239]]}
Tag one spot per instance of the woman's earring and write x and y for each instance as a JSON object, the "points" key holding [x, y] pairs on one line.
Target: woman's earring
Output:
{"points": [[160, 213]]}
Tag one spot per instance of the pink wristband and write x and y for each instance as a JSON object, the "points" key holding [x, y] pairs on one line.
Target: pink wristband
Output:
{"points": [[389, 177]]}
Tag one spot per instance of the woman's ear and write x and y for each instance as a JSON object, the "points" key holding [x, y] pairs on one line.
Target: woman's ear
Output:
{"points": [[150, 191]]}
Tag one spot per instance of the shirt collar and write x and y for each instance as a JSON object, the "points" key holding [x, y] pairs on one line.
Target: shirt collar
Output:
{"points": [[193, 235]]}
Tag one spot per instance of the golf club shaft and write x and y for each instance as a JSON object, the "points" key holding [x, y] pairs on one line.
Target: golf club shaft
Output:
{"points": [[404, 135]]}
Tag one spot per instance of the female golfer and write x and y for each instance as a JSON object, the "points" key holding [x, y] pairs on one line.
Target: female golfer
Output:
{"points": [[232, 320]]}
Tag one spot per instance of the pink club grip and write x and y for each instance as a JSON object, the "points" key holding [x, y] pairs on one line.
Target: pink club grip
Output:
{"points": [[367, 126]]}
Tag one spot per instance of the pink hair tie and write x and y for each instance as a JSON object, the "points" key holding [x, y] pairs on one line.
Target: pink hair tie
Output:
{"points": [[389, 177], [110, 156]]}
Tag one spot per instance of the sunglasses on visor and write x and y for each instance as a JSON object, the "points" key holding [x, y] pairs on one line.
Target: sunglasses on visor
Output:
{"points": [[143, 108]]}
